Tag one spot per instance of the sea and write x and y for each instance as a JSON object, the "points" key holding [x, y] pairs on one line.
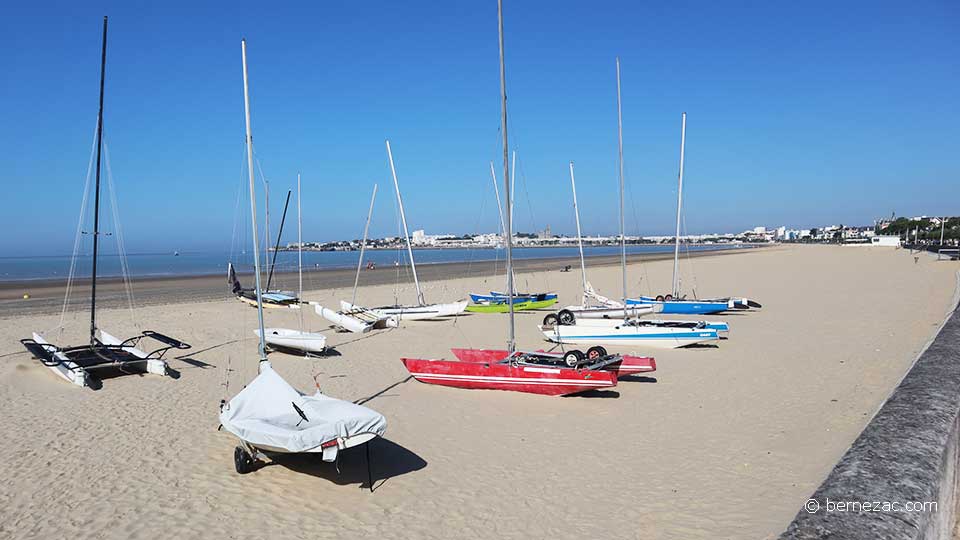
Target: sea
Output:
{"points": [[199, 263]]}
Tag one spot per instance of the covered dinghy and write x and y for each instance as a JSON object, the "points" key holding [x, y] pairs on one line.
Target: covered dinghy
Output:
{"points": [[272, 416]]}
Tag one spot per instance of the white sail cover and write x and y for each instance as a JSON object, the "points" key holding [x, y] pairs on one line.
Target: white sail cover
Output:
{"points": [[262, 415]]}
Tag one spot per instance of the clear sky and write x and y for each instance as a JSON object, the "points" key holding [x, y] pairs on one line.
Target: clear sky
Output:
{"points": [[799, 113]]}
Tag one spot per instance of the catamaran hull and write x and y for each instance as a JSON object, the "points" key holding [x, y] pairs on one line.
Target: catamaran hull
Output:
{"points": [[722, 328], [684, 307], [549, 381], [612, 313], [631, 365], [414, 313], [660, 338], [357, 320], [503, 307], [495, 296]]}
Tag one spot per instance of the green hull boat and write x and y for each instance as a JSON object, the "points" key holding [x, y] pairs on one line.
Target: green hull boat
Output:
{"points": [[504, 307]]}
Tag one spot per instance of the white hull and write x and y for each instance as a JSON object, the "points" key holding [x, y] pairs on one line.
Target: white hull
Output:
{"points": [[73, 373], [627, 334], [610, 313], [295, 339], [720, 327], [414, 313], [356, 320]]}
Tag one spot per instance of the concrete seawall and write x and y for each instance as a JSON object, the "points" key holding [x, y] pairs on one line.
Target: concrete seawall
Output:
{"points": [[907, 454]]}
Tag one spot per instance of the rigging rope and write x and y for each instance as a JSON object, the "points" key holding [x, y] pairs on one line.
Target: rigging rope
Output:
{"points": [[121, 250], [79, 234]]}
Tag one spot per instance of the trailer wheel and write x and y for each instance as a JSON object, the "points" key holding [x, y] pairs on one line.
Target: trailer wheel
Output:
{"points": [[668, 298], [550, 320], [242, 460], [659, 298], [596, 352], [573, 358], [566, 317]]}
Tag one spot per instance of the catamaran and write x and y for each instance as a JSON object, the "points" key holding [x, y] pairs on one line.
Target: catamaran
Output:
{"points": [[400, 312], [535, 372], [271, 298], [270, 415], [103, 355], [300, 339], [674, 302], [496, 301]]}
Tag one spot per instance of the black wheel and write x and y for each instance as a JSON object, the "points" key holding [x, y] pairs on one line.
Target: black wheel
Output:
{"points": [[668, 298], [659, 298], [566, 317], [550, 320], [242, 460], [596, 352], [573, 358]]}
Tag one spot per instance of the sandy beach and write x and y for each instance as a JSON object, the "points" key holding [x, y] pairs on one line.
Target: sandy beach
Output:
{"points": [[724, 442]]}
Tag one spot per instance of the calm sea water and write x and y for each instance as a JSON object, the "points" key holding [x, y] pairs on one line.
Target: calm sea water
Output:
{"points": [[206, 263]]}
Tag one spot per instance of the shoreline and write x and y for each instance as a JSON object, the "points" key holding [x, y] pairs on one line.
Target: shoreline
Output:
{"points": [[46, 295]]}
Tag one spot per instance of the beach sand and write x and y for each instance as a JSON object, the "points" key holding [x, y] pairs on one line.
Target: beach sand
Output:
{"points": [[723, 442]]}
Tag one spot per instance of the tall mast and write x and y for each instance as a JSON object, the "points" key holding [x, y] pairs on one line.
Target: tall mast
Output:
{"points": [[299, 250], [511, 344], [496, 191], [513, 185], [676, 243], [253, 203], [363, 245], [623, 239], [406, 233], [96, 204], [273, 263], [576, 212]]}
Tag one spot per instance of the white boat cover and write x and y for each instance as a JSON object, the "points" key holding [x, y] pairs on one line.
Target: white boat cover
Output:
{"points": [[262, 415]]}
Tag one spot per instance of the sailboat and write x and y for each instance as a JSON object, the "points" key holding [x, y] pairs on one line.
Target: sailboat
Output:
{"points": [[286, 338], [103, 355], [271, 298], [534, 372], [421, 310], [496, 301], [270, 415], [674, 302], [354, 318], [594, 306], [618, 324]]}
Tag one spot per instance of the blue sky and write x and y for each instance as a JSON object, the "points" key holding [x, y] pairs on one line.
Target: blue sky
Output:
{"points": [[802, 113]]}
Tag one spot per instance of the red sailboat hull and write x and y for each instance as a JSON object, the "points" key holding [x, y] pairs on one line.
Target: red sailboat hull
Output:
{"points": [[546, 380], [631, 365]]}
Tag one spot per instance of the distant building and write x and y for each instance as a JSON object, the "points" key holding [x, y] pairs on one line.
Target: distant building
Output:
{"points": [[885, 240], [419, 237]]}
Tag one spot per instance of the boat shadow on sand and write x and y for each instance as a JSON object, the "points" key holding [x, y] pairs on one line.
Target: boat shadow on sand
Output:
{"points": [[387, 460]]}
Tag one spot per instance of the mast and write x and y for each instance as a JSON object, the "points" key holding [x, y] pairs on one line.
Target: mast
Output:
{"points": [[576, 212], [253, 203], [623, 239], [676, 243], [299, 250], [96, 204], [273, 262], [406, 233], [513, 185], [511, 344], [363, 245]]}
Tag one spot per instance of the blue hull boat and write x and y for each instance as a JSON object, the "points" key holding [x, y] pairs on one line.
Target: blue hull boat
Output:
{"points": [[682, 307], [500, 298]]}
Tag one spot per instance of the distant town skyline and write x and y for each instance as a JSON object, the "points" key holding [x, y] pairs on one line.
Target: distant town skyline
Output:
{"points": [[793, 117]]}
